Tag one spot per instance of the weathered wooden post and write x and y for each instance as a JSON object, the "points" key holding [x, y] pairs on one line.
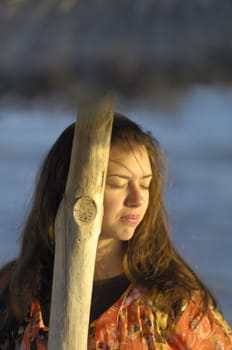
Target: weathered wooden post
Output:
{"points": [[78, 225]]}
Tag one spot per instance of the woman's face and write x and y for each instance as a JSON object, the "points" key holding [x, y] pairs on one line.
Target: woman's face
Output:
{"points": [[127, 191]]}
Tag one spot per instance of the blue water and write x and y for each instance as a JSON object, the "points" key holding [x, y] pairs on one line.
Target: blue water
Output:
{"points": [[197, 138]]}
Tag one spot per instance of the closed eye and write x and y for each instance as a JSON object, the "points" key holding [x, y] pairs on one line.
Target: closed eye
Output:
{"points": [[145, 184], [145, 187], [115, 185], [120, 181]]}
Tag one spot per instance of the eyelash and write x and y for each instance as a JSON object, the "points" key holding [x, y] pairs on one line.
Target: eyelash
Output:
{"points": [[145, 187], [117, 186]]}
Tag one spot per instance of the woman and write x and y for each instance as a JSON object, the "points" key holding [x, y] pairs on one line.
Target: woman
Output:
{"points": [[145, 296]]}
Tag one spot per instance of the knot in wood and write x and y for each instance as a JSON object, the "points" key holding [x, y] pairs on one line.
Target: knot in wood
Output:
{"points": [[84, 210]]}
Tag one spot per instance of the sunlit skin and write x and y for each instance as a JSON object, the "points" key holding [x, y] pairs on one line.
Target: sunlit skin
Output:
{"points": [[125, 203]]}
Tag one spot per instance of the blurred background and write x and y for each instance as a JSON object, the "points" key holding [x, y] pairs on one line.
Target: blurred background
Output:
{"points": [[196, 134]]}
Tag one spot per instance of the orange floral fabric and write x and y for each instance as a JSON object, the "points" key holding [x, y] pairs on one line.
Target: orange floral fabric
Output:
{"points": [[133, 322]]}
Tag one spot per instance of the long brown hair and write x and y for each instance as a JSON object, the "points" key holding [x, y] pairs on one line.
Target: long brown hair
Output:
{"points": [[150, 256]]}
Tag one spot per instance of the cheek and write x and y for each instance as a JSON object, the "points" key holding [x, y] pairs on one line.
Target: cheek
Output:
{"points": [[106, 208], [146, 199], [110, 204]]}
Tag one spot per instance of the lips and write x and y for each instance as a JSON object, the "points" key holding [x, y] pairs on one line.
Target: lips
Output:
{"points": [[130, 219]]}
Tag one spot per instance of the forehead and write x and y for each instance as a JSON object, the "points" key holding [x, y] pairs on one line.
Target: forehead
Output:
{"points": [[129, 158]]}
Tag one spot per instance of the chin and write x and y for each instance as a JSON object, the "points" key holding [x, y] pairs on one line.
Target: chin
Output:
{"points": [[126, 236], [119, 235]]}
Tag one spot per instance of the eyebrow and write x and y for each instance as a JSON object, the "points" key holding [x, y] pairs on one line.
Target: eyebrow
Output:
{"points": [[128, 177]]}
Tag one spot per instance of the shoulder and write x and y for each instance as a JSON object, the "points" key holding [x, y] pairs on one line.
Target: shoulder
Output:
{"points": [[6, 273], [197, 327], [7, 322], [193, 328]]}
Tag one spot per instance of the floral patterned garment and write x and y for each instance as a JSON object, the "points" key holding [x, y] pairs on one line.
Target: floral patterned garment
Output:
{"points": [[133, 322]]}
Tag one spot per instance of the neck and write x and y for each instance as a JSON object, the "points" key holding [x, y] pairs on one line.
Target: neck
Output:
{"points": [[108, 259]]}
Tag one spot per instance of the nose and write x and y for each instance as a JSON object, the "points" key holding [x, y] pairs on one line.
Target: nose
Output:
{"points": [[134, 197]]}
